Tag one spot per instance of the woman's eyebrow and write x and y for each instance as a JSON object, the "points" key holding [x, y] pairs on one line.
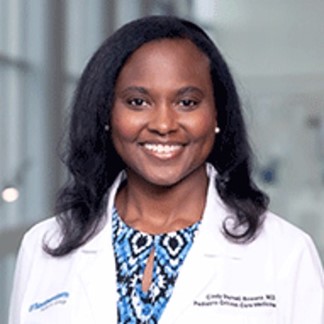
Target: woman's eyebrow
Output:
{"points": [[188, 90], [182, 91], [141, 90]]}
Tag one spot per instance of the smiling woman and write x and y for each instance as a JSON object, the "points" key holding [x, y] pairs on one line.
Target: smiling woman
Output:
{"points": [[161, 221], [164, 117]]}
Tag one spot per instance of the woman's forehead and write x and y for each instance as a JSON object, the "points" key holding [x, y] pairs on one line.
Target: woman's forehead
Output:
{"points": [[171, 61]]}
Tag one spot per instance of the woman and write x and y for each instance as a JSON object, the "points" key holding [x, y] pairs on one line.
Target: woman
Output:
{"points": [[161, 221]]}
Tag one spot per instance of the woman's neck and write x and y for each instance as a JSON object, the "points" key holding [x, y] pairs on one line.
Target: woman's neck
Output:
{"points": [[158, 209]]}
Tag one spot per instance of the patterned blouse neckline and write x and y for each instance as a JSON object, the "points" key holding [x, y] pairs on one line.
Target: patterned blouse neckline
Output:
{"points": [[125, 225], [132, 249]]}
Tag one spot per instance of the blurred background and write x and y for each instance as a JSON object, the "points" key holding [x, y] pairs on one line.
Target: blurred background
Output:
{"points": [[275, 50]]}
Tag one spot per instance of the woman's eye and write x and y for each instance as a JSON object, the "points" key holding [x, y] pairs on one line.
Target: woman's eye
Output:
{"points": [[137, 102], [188, 103]]}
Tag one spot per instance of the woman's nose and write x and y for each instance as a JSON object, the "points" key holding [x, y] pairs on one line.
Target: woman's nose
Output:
{"points": [[163, 119]]}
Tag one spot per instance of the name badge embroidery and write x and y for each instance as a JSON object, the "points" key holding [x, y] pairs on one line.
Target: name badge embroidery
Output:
{"points": [[58, 299], [238, 301]]}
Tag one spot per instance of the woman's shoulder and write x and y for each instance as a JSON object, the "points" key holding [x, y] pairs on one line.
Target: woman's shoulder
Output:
{"points": [[42, 231], [287, 239], [282, 229]]}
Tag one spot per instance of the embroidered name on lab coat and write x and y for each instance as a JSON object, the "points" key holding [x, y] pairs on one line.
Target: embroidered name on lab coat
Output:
{"points": [[60, 298], [237, 301]]}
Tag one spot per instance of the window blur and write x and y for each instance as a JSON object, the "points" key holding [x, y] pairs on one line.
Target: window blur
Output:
{"points": [[275, 50]]}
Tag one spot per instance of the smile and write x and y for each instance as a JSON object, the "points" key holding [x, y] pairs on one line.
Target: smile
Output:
{"points": [[163, 150]]}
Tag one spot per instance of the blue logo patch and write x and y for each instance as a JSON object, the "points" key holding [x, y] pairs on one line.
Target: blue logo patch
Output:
{"points": [[57, 299]]}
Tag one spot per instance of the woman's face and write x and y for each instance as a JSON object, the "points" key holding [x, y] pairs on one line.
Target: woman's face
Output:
{"points": [[164, 116]]}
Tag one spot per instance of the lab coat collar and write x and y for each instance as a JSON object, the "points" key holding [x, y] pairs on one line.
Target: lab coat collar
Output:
{"points": [[210, 232], [99, 241], [206, 259], [97, 270], [211, 236]]}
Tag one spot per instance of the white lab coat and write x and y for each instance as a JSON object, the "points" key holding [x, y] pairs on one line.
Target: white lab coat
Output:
{"points": [[276, 279]]}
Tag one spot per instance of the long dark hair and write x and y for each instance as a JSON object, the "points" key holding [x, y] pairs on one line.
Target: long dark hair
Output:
{"points": [[93, 163]]}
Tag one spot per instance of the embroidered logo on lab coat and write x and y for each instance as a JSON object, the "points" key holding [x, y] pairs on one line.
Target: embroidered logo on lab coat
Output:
{"points": [[59, 299], [237, 301]]}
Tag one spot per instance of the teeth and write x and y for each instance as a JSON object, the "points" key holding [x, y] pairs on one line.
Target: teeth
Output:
{"points": [[160, 148]]}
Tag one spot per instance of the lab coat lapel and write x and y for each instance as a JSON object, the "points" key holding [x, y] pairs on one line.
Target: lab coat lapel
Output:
{"points": [[205, 260], [195, 274], [98, 275], [98, 278]]}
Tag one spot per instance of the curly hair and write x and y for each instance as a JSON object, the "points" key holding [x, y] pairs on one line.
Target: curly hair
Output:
{"points": [[93, 163]]}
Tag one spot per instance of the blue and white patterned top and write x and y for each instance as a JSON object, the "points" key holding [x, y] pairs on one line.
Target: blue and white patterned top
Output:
{"points": [[132, 249]]}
